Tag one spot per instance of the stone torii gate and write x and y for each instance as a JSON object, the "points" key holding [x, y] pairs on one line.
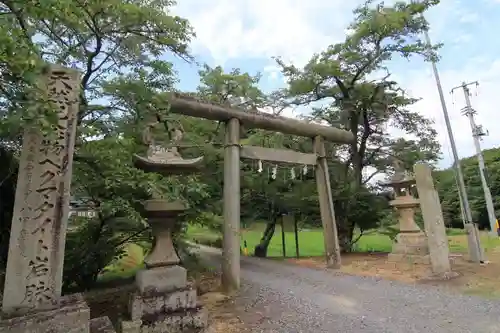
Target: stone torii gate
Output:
{"points": [[233, 151]]}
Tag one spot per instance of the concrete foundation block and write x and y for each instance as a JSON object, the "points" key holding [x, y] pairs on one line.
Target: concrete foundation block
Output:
{"points": [[72, 316], [101, 325], [176, 322], [130, 326]]}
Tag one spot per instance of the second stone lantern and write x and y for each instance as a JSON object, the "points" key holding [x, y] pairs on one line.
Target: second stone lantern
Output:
{"points": [[411, 243]]}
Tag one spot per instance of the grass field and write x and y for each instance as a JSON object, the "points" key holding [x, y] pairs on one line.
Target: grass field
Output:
{"points": [[125, 267], [311, 242]]}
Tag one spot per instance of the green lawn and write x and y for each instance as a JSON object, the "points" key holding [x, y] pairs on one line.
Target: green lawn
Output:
{"points": [[311, 241], [310, 244], [125, 267]]}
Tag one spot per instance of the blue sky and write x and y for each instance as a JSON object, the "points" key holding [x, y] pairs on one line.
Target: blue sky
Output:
{"points": [[247, 33]]}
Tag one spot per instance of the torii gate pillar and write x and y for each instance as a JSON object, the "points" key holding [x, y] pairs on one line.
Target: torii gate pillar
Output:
{"points": [[231, 231]]}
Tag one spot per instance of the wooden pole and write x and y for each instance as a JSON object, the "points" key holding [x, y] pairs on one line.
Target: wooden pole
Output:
{"points": [[191, 107], [283, 244], [332, 248], [231, 230], [296, 231]]}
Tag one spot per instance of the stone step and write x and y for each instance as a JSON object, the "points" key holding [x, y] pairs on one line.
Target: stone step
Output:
{"points": [[175, 322]]}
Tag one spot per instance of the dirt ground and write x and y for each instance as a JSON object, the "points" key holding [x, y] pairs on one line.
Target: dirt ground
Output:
{"points": [[113, 302], [219, 305], [476, 279]]}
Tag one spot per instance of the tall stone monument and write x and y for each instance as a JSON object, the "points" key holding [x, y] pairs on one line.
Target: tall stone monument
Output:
{"points": [[32, 299], [433, 222], [163, 301], [411, 242], [36, 250]]}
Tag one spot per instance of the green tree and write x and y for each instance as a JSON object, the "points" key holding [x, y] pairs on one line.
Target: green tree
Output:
{"points": [[115, 45], [235, 88], [446, 185], [341, 78], [232, 88], [100, 39]]}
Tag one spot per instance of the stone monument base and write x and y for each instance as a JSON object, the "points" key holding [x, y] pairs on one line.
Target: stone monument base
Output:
{"points": [[171, 312], [72, 316], [409, 258], [410, 247]]}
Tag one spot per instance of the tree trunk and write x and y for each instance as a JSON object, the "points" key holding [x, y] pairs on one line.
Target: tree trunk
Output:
{"points": [[261, 249], [345, 233]]}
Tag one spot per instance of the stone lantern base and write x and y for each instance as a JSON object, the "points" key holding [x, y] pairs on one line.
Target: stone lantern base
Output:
{"points": [[163, 302], [410, 247], [172, 312], [411, 244]]}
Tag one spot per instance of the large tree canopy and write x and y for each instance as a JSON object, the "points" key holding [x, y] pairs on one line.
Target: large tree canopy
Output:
{"points": [[351, 81]]}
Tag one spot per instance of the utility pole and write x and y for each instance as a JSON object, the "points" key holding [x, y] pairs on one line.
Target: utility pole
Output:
{"points": [[475, 251], [477, 134]]}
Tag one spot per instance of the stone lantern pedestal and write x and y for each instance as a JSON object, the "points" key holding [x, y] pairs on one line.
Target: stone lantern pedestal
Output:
{"points": [[162, 271], [163, 302], [411, 242]]}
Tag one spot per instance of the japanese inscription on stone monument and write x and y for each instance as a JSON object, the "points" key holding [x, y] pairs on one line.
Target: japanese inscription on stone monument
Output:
{"points": [[36, 250]]}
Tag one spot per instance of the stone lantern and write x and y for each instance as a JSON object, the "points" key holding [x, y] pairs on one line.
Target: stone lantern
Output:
{"points": [[411, 242], [163, 301]]}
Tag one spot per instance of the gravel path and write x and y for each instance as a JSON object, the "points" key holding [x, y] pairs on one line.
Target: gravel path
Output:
{"points": [[280, 297]]}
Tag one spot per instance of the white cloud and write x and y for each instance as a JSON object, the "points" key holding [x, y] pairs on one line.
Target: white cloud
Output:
{"points": [[468, 17], [272, 70], [295, 29], [461, 39]]}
